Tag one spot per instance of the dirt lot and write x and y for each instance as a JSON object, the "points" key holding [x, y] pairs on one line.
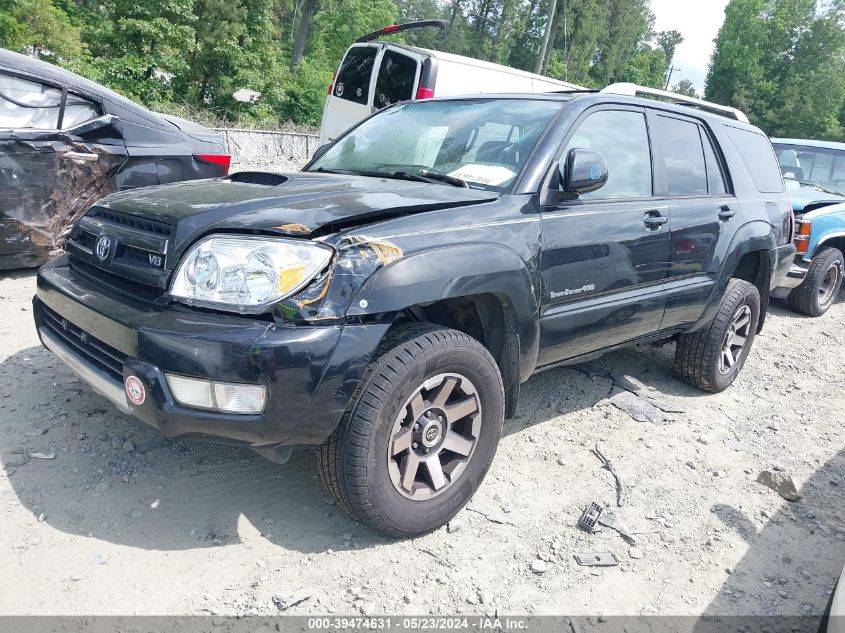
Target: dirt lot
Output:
{"points": [[120, 522]]}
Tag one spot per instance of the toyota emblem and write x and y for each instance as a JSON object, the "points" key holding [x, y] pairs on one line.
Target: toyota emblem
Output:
{"points": [[103, 247]]}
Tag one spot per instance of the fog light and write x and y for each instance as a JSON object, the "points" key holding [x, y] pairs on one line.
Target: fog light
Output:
{"points": [[219, 396], [239, 398]]}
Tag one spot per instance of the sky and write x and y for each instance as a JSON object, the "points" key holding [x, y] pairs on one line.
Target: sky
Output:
{"points": [[699, 22]]}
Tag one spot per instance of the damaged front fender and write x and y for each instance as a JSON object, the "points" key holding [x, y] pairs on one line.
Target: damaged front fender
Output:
{"points": [[329, 297]]}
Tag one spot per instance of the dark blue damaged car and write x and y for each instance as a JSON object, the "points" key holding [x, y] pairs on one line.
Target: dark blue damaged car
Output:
{"points": [[66, 142]]}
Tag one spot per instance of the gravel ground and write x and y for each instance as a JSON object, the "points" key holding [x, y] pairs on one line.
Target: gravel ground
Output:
{"points": [[121, 522]]}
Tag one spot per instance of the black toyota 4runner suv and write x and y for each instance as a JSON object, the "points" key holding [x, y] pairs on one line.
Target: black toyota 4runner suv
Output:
{"points": [[386, 303]]}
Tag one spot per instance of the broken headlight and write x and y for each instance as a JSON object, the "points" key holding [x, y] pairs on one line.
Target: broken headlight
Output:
{"points": [[246, 274]]}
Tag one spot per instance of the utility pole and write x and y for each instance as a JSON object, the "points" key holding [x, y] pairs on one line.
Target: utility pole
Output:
{"points": [[672, 71], [538, 68]]}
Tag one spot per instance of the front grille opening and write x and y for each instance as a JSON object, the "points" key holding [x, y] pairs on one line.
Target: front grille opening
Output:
{"points": [[135, 291], [131, 221], [102, 356]]}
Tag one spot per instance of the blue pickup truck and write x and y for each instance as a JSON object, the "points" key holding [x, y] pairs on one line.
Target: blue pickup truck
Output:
{"points": [[815, 177]]}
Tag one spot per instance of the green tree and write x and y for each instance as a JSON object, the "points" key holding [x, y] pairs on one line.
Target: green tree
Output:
{"points": [[140, 48], [685, 87], [783, 62], [40, 28]]}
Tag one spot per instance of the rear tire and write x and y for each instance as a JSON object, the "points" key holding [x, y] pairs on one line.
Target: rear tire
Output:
{"points": [[712, 357], [821, 286], [420, 433]]}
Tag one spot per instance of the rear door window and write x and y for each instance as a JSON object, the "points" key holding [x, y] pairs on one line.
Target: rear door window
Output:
{"points": [[397, 76], [684, 157], [353, 78], [28, 104], [759, 157], [715, 176]]}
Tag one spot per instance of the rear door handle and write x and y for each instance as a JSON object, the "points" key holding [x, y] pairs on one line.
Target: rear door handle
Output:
{"points": [[91, 158], [653, 220], [726, 213]]}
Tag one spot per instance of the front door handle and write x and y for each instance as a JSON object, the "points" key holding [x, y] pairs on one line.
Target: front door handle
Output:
{"points": [[726, 213], [653, 220], [90, 158]]}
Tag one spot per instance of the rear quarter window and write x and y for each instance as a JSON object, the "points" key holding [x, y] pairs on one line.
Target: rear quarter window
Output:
{"points": [[355, 73], [759, 157]]}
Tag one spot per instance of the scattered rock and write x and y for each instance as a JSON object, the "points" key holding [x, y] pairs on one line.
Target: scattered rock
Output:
{"points": [[781, 483], [636, 552], [128, 447], [269, 520], [368, 608], [453, 526], [639, 408], [539, 566]]}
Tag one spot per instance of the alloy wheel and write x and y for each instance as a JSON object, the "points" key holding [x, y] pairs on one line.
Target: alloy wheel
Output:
{"points": [[434, 436], [735, 339]]}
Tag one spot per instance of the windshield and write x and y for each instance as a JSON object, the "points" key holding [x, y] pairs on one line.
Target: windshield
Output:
{"points": [[822, 168], [479, 143]]}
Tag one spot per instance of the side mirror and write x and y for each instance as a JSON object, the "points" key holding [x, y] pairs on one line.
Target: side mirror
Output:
{"points": [[91, 125], [584, 171]]}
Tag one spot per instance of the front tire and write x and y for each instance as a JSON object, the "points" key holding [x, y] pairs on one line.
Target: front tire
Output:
{"points": [[420, 433], [821, 286], [712, 357]]}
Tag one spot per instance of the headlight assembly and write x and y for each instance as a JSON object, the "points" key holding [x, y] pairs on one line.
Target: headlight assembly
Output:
{"points": [[246, 274]]}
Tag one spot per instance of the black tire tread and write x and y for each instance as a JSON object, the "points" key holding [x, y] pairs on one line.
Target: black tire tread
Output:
{"points": [[697, 353], [803, 299]]}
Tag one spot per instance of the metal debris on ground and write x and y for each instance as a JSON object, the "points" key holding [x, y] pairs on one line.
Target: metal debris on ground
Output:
{"points": [[40, 455], [494, 516], [609, 519], [620, 485], [596, 559], [286, 601], [590, 517]]}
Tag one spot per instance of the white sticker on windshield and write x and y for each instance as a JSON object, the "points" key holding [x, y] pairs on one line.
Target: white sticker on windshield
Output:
{"points": [[484, 174]]}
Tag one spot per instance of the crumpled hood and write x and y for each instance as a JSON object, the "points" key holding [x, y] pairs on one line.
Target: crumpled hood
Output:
{"points": [[300, 204]]}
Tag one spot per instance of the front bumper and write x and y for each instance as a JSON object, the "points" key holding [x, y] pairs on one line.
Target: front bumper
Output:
{"points": [[309, 372]]}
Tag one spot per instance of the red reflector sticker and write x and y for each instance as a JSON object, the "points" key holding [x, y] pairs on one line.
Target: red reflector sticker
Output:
{"points": [[135, 390]]}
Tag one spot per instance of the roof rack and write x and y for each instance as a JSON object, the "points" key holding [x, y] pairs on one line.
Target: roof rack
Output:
{"points": [[633, 90]]}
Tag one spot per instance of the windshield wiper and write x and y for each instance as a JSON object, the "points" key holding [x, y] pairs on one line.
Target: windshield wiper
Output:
{"points": [[423, 176], [342, 172], [449, 180]]}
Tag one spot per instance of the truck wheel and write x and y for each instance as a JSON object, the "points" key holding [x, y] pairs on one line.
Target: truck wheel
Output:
{"points": [[420, 432], [712, 357], [820, 287]]}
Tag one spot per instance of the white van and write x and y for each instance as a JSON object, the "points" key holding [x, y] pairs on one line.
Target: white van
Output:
{"points": [[373, 75]]}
